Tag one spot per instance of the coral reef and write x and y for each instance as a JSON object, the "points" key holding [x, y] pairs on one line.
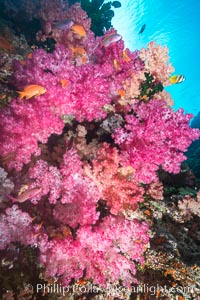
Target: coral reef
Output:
{"points": [[155, 136], [92, 179], [104, 252], [6, 186]]}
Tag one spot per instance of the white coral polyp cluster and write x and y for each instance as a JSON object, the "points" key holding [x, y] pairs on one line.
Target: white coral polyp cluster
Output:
{"points": [[156, 62]]}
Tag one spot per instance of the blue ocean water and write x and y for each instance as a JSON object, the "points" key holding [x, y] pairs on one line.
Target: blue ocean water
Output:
{"points": [[175, 24]]}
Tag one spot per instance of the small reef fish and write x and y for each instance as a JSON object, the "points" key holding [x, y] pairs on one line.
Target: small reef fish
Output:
{"points": [[121, 93], [63, 25], [80, 54], [176, 79], [111, 38], [79, 30], [116, 64], [78, 51], [32, 91], [26, 195], [142, 29], [64, 83], [125, 56], [116, 4]]}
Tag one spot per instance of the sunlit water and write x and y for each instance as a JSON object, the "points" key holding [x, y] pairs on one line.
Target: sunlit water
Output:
{"points": [[175, 24]]}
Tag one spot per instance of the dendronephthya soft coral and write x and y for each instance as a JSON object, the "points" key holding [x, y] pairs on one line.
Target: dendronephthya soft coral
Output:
{"points": [[76, 217]]}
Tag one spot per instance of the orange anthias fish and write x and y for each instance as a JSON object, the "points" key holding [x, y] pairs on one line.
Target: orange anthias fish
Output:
{"points": [[121, 93], [64, 83], [79, 30], [116, 64], [32, 90], [26, 195], [80, 54], [78, 51], [125, 56]]}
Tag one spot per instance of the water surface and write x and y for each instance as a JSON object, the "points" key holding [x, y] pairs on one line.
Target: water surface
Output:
{"points": [[175, 24]]}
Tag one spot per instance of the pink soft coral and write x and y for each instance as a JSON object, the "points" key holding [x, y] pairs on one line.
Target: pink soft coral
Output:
{"points": [[155, 190], [22, 125], [75, 195], [62, 258], [55, 12], [117, 187], [154, 136], [166, 96], [156, 62], [16, 226], [87, 90], [99, 97], [105, 252]]}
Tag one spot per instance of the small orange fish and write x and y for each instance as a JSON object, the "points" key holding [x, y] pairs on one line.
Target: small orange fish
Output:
{"points": [[79, 30], [138, 241], [64, 83], [116, 64], [32, 90], [125, 56], [121, 93], [78, 50], [144, 97]]}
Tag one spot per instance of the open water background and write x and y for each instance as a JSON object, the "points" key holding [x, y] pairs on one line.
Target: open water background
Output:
{"points": [[175, 24]]}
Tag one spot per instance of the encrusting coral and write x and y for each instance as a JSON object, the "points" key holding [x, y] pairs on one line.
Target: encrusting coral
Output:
{"points": [[84, 154]]}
